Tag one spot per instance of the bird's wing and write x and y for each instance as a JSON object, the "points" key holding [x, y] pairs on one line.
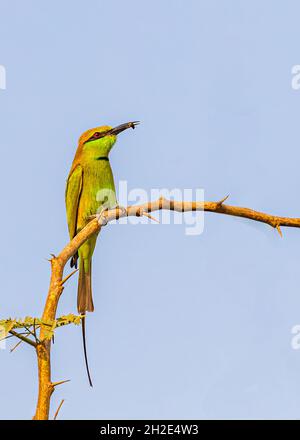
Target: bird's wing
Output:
{"points": [[73, 192]]}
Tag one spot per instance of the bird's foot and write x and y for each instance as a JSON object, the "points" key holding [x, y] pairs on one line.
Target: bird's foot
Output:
{"points": [[102, 218]]}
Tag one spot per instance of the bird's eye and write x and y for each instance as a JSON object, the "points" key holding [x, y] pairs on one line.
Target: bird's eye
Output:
{"points": [[96, 135]]}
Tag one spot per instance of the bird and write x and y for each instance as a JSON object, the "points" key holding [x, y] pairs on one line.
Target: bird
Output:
{"points": [[90, 190]]}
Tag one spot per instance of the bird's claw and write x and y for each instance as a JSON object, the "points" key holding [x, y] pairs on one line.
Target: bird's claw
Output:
{"points": [[101, 218]]}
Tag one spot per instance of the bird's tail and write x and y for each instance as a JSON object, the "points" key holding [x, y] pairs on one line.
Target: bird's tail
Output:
{"points": [[85, 301], [84, 293]]}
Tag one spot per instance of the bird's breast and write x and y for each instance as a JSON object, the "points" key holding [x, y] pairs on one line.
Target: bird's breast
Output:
{"points": [[98, 190]]}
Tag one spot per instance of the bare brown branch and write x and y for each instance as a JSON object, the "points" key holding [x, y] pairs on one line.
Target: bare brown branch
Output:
{"points": [[58, 263], [23, 338]]}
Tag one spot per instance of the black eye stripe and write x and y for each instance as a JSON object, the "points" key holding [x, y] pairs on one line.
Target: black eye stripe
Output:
{"points": [[96, 135]]}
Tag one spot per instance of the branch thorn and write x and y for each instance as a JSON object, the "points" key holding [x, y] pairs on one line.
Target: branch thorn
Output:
{"points": [[17, 345], [57, 411], [146, 214], [54, 384], [69, 276], [279, 230], [220, 203]]}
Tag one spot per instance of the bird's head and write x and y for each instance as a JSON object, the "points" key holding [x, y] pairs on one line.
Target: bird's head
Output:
{"points": [[100, 140]]}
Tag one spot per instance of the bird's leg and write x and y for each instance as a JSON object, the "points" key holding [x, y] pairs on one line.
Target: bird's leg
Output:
{"points": [[100, 217]]}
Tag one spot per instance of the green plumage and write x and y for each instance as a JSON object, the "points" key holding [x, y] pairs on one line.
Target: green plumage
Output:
{"points": [[90, 189]]}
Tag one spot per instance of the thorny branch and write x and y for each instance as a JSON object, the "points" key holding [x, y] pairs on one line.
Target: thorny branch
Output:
{"points": [[43, 344]]}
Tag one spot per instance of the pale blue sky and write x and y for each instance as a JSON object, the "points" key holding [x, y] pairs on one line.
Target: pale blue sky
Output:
{"points": [[184, 327]]}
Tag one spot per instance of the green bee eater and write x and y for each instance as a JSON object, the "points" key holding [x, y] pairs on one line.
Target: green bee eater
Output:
{"points": [[90, 189]]}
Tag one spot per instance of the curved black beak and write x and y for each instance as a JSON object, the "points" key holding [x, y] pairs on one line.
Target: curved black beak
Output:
{"points": [[115, 131]]}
